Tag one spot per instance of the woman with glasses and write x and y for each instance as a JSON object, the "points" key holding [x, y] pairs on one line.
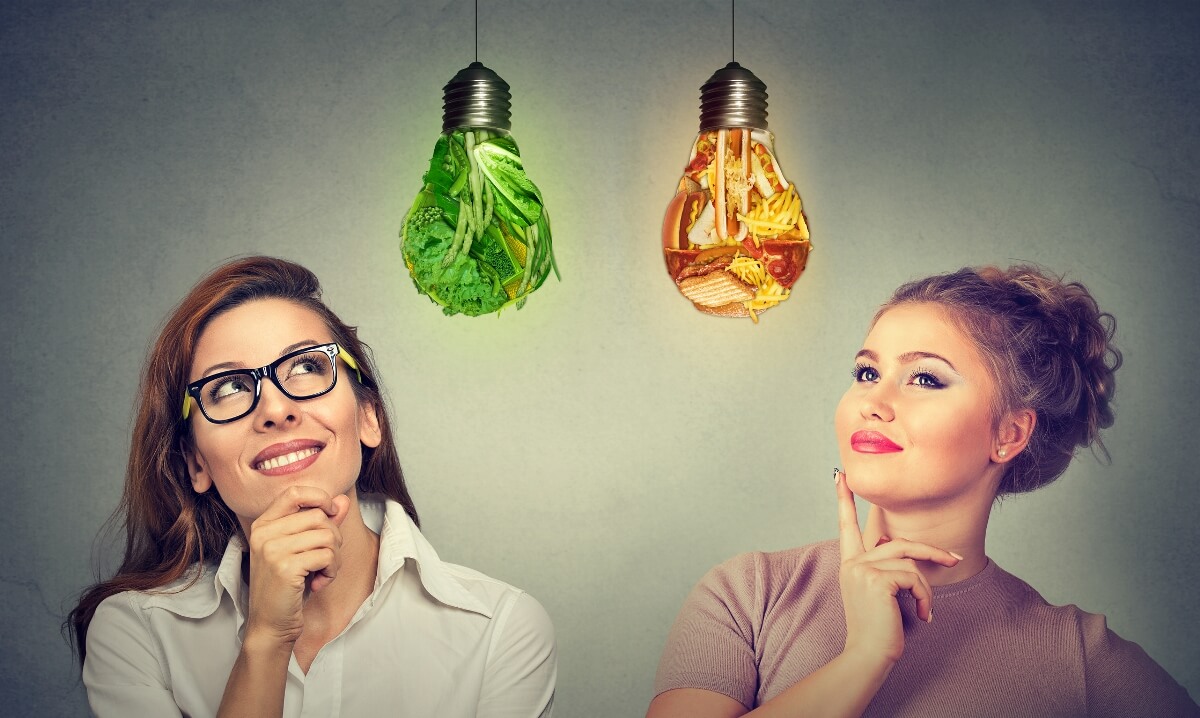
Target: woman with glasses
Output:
{"points": [[273, 560], [969, 386]]}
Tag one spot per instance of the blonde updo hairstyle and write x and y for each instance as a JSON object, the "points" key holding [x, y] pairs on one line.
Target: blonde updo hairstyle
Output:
{"points": [[1048, 347]]}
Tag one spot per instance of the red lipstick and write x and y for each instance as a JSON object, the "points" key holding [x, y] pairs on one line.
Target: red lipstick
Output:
{"points": [[872, 442]]}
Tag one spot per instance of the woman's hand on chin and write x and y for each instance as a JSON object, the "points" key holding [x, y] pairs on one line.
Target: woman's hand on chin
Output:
{"points": [[295, 545], [871, 579]]}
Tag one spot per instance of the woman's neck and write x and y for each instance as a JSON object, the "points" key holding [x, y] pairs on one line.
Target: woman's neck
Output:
{"points": [[330, 609], [961, 529]]}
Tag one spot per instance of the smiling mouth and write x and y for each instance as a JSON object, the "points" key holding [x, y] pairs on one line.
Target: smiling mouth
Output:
{"points": [[286, 459]]}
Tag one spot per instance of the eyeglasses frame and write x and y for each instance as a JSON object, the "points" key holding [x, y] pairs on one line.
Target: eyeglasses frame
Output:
{"points": [[332, 349]]}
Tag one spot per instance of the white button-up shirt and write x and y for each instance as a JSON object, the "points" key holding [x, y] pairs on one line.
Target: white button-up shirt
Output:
{"points": [[433, 639]]}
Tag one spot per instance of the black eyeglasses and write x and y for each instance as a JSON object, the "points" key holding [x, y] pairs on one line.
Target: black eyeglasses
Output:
{"points": [[303, 374]]}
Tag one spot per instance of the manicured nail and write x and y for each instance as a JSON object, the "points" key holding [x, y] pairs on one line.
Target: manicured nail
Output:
{"points": [[956, 555], [837, 476], [930, 616]]}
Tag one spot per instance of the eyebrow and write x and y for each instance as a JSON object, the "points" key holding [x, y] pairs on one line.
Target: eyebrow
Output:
{"points": [[239, 365], [907, 357]]}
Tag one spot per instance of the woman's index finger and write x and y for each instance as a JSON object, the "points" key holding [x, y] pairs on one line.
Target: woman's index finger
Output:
{"points": [[849, 535], [298, 498]]}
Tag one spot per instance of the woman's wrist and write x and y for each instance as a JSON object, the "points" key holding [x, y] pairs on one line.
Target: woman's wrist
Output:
{"points": [[266, 645]]}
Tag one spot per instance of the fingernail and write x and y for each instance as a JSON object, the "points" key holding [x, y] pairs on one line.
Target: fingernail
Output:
{"points": [[837, 476], [930, 616], [956, 555]]}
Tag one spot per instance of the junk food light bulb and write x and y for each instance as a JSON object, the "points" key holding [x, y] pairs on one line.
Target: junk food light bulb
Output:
{"points": [[735, 237], [477, 238]]}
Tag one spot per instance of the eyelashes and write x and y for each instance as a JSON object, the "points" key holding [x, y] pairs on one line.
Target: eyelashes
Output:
{"points": [[860, 369], [924, 377]]}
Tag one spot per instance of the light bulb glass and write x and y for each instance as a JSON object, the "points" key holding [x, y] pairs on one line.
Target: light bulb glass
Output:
{"points": [[477, 238], [735, 237]]}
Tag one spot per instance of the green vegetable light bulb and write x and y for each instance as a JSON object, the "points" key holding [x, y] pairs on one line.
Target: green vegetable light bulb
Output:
{"points": [[735, 237], [477, 238]]}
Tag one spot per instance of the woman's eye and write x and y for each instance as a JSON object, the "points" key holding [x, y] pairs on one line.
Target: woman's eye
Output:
{"points": [[924, 378], [306, 365], [863, 372], [227, 387]]}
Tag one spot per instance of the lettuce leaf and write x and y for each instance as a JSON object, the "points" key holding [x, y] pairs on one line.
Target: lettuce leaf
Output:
{"points": [[466, 286], [519, 196]]}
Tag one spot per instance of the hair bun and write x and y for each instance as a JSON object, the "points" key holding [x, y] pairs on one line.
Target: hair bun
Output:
{"points": [[1050, 350], [1072, 319]]}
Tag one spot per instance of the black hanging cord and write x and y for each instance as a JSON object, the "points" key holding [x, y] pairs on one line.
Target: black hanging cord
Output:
{"points": [[732, 34], [476, 30]]}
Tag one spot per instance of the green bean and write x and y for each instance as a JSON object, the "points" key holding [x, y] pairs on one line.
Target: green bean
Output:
{"points": [[490, 199], [471, 233], [460, 229]]}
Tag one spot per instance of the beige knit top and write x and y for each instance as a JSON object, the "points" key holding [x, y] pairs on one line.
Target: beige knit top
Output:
{"points": [[758, 623]]}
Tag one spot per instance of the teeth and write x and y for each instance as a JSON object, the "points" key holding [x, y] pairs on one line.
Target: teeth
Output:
{"points": [[287, 459]]}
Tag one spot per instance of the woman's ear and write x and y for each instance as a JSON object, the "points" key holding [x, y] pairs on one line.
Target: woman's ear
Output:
{"points": [[197, 470], [1013, 434], [369, 432]]}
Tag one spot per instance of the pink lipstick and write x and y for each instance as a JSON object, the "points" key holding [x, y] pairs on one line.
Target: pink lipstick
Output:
{"points": [[872, 442]]}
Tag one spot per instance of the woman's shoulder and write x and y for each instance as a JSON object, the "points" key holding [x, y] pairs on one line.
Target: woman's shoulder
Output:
{"points": [[1018, 597], [491, 591], [192, 595], [1116, 671], [1022, 605], [449, 583], [124, 624], [755, 577], [752, 607], [811, 559], [520, 617]]}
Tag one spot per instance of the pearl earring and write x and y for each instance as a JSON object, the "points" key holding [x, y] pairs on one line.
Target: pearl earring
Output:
{"points": [[1003, 452]]}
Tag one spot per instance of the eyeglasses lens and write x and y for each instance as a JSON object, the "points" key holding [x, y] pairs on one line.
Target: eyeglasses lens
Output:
{"points": [[301, 376]]}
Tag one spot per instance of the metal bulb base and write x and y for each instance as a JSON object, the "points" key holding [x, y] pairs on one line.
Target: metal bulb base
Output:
{"points": [[733, 97], [476, 97]]}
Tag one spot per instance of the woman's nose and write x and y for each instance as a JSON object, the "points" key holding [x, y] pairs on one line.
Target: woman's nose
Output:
{"points": [[877, 403], [274, 407]]}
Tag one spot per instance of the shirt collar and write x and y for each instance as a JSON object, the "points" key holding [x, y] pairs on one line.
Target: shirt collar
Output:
{"points": [[399, 541]]}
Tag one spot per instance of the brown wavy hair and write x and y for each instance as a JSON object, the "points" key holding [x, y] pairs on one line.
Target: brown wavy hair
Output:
{"points": [[1048, 347], [169, 528]]}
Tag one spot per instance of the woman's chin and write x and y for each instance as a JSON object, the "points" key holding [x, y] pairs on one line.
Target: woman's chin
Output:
{"points": [[882, 499], [891, 494], [872, 485]]}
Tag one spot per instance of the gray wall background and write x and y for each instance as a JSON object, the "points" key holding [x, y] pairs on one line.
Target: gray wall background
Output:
{"points": [[607, 444]]}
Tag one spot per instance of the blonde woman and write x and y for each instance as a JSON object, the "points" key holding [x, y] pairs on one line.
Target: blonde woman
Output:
{"points": [[969, 386]]}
